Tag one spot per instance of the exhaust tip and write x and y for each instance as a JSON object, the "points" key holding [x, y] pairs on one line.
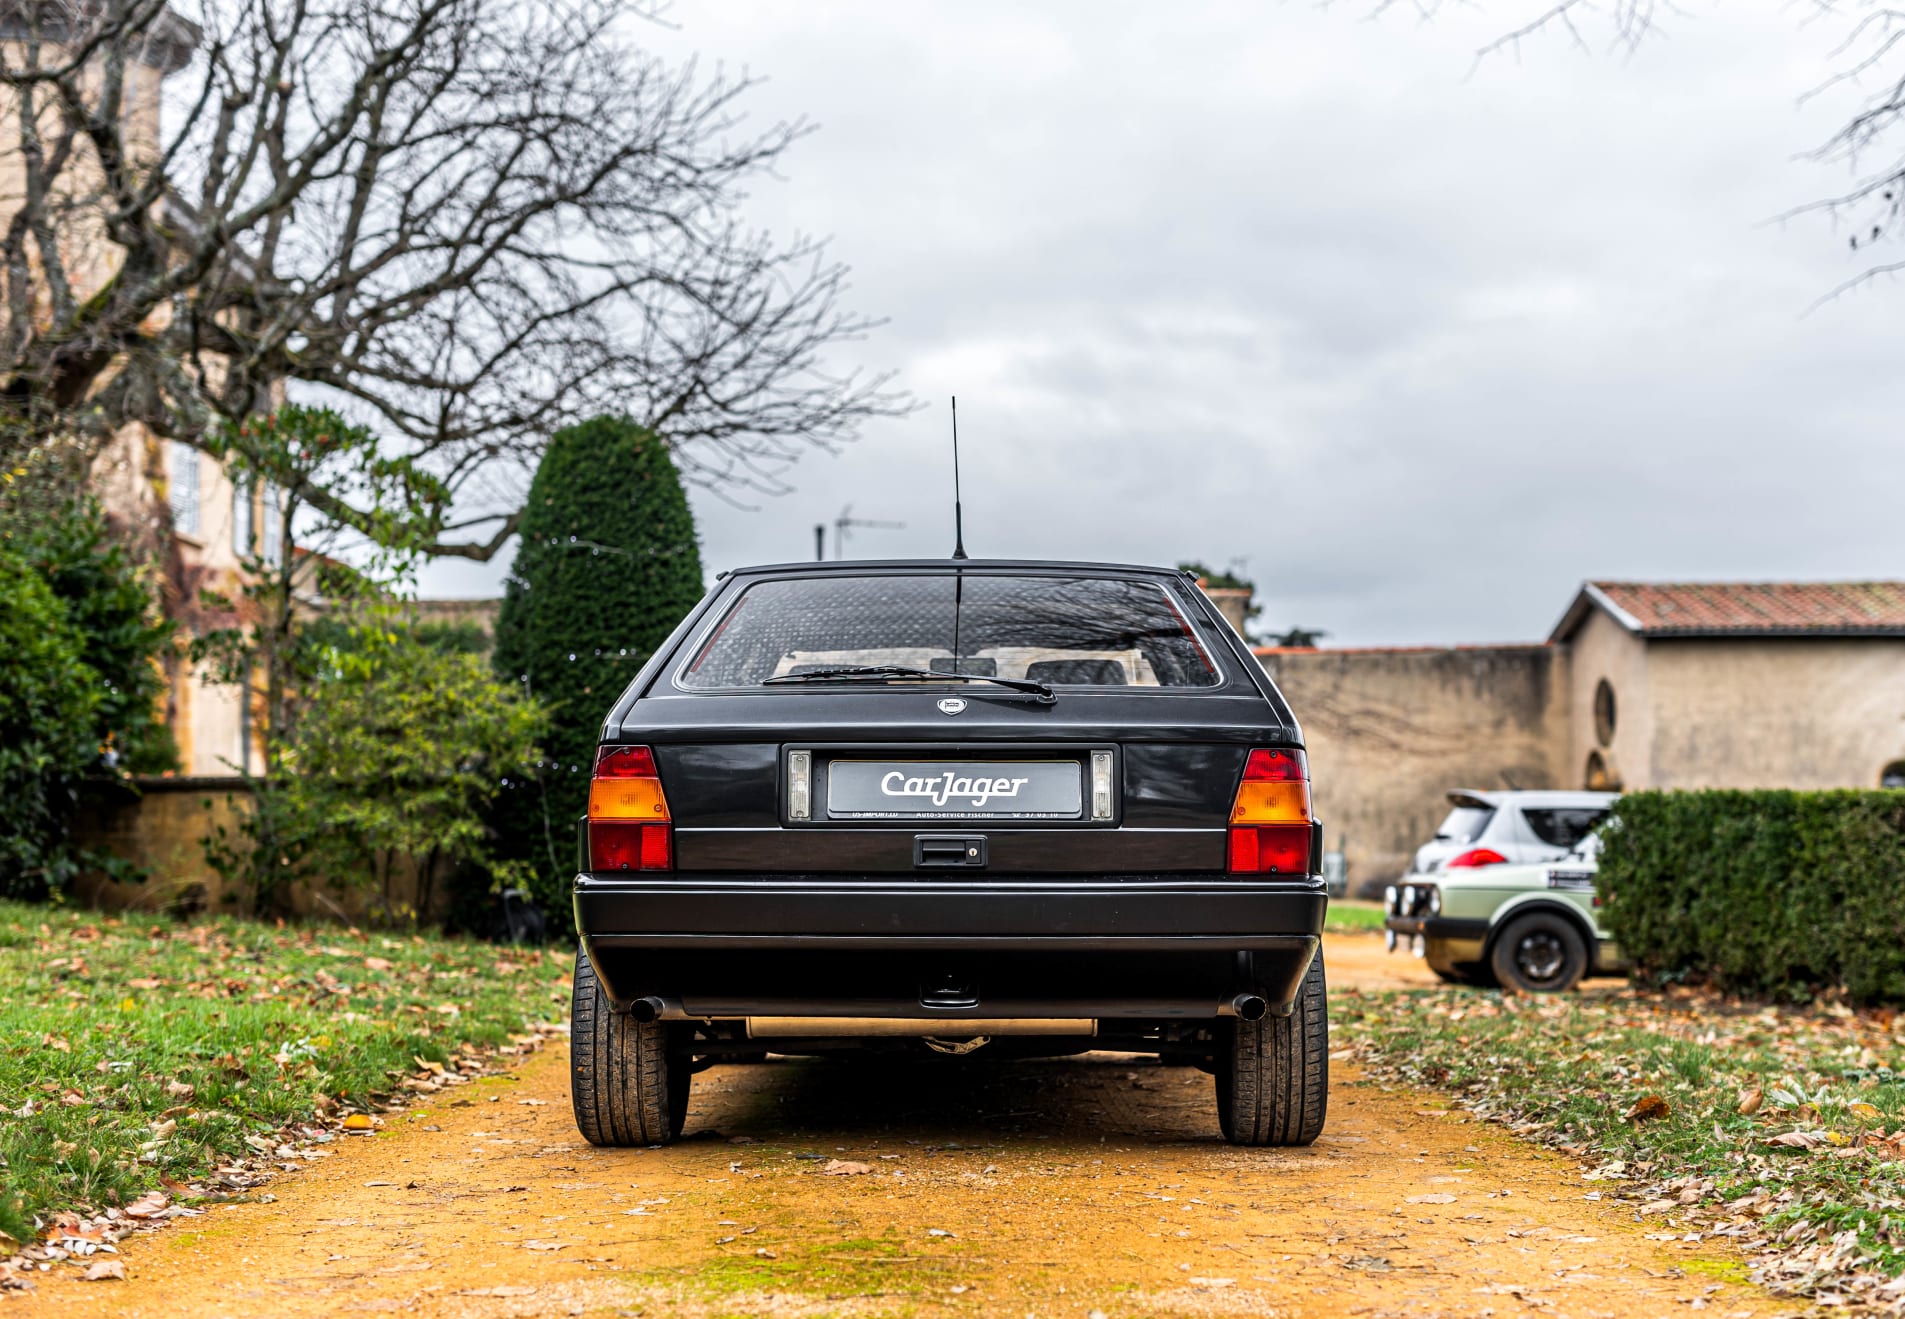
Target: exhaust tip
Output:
{"points": [[1249, 1007], [649, 1009]]}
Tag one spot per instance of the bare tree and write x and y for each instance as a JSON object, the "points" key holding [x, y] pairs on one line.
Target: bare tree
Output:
{"points": [[469, 221], [1870, 59]]}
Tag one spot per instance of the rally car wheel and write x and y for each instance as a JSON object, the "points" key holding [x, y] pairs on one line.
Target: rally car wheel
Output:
{"points": [[1540, 953], [628, 1079], [1273, 1074]]}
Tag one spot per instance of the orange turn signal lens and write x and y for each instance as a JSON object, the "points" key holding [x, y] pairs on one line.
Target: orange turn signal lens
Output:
{"points": [[639, 800], [1271, 803]]}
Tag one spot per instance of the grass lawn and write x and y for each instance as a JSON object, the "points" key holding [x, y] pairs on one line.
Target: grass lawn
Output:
{"points": [[137, 1051], [1781, 1127], [1352, 915]]}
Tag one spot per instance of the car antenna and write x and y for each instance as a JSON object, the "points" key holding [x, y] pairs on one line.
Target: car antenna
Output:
{"points": [[959, 519]]}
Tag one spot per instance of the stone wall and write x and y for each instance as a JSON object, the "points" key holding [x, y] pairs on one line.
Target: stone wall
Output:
{"points": [[1774, 712], [161, 826], [1391, 731]]}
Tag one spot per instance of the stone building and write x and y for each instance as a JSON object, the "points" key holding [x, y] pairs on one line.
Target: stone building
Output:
{"points": [[1640, 685]]}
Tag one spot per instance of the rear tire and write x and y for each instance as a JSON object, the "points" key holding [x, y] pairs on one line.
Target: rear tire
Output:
{"points": [[1273, 1075], [628, 1079], [1540, 953]]}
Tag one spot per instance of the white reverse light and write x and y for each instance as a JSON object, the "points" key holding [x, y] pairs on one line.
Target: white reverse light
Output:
{"points": [[1101, 785], [800, 785]]}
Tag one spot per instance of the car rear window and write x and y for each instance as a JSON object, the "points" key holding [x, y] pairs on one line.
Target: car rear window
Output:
{"points": [[1465, 824], [1061, 631], [1563, 826]]}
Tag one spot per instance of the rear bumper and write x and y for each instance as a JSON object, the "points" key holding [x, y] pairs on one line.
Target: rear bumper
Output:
{"points": [[1136, 947], [739, 911]]}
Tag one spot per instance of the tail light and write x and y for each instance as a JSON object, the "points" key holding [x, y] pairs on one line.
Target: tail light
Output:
{"points": [[629, 825], [1476, 856], [1270, 824]]}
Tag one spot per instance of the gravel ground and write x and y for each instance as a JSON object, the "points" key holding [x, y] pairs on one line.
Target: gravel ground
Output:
{"points": [[1094, 1184]]}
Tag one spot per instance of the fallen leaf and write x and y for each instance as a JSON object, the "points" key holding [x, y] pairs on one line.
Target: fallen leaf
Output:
{"points": [[1647, 1108], [1435, 1198], [149, 1205], [376, 964], [845, 1167], [105, 1270], [1799, 1140], [179, 1090], [359, 1122], [1750, 1101], [1864, 1112]]}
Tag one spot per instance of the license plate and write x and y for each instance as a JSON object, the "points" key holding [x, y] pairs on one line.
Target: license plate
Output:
{"points": [[955, 790]]}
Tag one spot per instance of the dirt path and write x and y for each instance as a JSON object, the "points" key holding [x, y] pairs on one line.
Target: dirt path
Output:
{"points": [[1062, 1188]]}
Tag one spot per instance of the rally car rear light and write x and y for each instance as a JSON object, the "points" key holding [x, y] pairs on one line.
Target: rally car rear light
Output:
{"points": [[629, 824], [1476, 856], [1270, 822]]}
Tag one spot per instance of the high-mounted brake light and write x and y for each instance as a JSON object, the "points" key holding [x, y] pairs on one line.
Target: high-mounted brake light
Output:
{"points": [[629, 824], [1270, 822], [1476, 856]]}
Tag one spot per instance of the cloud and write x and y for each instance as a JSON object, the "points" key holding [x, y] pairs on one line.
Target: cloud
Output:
{"points": [[1423, 345]]}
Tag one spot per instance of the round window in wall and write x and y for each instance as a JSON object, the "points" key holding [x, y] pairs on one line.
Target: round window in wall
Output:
{"points": [[1893, 776], [1604, 713]]}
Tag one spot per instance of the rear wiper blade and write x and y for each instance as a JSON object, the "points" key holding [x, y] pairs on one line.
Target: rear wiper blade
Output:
{"points": [[853, 672]]}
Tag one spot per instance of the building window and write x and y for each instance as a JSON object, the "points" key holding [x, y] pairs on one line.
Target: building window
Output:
{"points": [[1600, 775], [182, 488], [1893, 775], [241, 520], [271, 546], [1604, 713]]}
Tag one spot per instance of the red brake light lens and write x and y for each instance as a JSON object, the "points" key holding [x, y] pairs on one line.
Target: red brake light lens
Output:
{"points": [[625, 763], [1476, 856], [1270, 849], [1276, 765], [629, 823]]}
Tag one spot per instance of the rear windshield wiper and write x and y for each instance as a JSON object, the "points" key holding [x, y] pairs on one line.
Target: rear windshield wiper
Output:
{"points": [[855, 672]]}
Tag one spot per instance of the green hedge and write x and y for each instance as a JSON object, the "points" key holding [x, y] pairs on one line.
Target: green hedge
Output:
{"points": [[1764, 892]]}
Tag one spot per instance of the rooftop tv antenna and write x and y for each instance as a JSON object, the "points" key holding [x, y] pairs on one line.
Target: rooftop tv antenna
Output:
{"points": [[959, 517], [846, 522]]}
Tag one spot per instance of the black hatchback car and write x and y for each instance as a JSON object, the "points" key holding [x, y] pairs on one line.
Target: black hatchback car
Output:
{"points": [[1030, 808]]}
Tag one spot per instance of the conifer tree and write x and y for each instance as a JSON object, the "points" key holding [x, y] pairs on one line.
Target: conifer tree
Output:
{"points": [[607, 567]]}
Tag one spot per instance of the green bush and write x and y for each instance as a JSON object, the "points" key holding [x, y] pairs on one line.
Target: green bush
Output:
{"points": [[399, 747], [607, 567], [47, 701], [1763, 892], [111, 603]]}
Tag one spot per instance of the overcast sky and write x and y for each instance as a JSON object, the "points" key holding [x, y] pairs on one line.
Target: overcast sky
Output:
{"points": [[1423, 347]]}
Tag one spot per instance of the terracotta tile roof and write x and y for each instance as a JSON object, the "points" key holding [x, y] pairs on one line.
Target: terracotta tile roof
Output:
{"points": [[1669, 609]]}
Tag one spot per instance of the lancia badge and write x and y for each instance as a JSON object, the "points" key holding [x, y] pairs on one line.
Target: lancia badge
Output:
{"points": [[951, 705]]}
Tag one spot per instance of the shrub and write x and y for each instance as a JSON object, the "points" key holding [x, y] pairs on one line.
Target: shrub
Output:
{"points": [[1764, 892], [400, 746], [47, 702], [607, 567], [110, 604]]}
